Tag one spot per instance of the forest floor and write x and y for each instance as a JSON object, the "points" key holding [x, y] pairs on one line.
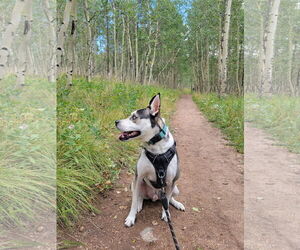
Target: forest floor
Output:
{"points": [[272, 194], [211, 188]]}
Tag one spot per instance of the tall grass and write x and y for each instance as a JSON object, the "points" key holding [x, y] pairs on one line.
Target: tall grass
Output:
{"points": [[89, 155], [27, 151], [279, 115], [227, 114]]}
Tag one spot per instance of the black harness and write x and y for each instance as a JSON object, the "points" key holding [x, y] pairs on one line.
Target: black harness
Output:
{"points": [[161, 163]]}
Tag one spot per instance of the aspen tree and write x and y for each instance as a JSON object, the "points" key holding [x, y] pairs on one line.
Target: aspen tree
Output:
{"points": [[9, 35]]}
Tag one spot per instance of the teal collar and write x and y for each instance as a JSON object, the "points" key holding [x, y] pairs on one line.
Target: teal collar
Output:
{"points": [[162, 134]]}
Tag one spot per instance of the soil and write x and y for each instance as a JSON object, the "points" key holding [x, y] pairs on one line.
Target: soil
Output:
{"points": [[272, 193], [211, 188]]}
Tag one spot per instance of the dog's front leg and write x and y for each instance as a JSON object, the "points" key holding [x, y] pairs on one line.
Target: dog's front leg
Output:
{"points": [[129, 221]]}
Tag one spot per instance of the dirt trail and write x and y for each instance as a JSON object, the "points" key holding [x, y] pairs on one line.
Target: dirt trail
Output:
{"points": [[211, 180], [272, 194]]}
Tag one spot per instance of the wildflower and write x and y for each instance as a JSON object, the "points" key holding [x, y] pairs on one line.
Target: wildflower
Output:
{"points": [[23, 126], [71, 126]]}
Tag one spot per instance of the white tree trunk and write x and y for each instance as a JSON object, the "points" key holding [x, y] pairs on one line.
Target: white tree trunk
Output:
{"points": [[8, 35], [89, 41], [25, 42], [51, 70], [136, 51], [62, 32], [224, 49], [154, 53], [123, 48], [268, 49], [71, 57]]}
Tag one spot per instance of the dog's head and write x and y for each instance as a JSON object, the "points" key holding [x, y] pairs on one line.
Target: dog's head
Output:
{"points": [[141, 123]]}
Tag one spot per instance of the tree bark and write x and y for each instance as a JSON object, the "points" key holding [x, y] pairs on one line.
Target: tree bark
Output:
{"points": [[89, 41], [115, 68], [8, 35], [107, 42], [130, 51], [23, 56], [123, 48], [136, 50], [224, 49], [71, 59], [268, 49], [62, 33], [154, 53], [52, 42]]}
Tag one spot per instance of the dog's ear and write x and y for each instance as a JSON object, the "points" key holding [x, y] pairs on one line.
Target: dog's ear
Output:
{"points": [[154, 105]]}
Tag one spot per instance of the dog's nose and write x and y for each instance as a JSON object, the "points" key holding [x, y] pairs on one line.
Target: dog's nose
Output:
{"points": [[117, 122]]}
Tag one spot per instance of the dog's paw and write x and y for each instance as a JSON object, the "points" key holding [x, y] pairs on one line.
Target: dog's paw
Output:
{"points": [[164, 216], [129, 221], [179, 206]]}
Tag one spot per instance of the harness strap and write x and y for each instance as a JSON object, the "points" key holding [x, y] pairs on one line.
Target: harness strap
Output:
{"points": [[161, 163]]}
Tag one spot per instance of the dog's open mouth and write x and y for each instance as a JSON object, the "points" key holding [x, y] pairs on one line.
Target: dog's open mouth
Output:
{"points": [[128, 135]]}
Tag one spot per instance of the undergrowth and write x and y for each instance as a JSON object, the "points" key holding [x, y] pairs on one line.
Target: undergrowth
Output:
{"points": [[27, 151], [279, 115], [226, 113], [89, 154]]}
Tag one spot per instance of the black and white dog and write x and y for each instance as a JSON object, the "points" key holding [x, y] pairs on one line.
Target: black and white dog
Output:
{"points": [[158, 165]]}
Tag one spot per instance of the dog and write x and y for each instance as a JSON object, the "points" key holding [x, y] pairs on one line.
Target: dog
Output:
{"points": [[158, 149]]}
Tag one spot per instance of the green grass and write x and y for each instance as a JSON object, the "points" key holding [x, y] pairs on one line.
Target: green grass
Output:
{"points": [[27, 151], [227, 114], [279, 115], [89, 154]]}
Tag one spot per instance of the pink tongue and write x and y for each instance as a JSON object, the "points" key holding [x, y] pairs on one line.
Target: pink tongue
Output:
{"points": [[123, 135]]}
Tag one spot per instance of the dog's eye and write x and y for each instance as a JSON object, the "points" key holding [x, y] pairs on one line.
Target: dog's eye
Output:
{"points": [[133, 117]]}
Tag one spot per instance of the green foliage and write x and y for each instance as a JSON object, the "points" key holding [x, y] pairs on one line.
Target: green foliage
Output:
{"points": [[90, 156], [279, 115], [27, 150], [227, 113]]}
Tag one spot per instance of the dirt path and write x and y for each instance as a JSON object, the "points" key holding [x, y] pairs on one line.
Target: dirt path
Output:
{"points": [[272, 194], [211, 181]]}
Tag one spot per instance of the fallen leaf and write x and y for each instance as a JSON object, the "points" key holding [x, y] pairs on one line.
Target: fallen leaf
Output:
{"points": [[122, 207]]}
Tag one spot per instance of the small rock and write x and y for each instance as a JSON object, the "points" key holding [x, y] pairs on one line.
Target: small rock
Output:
{"points": [[259, 198], [225, 183], [40, 229], [118, 192], [122, 207], [218, 198], [183, 228], [125, 189], [81, 229], [147, 235], [115, 217], [154, 223]]}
